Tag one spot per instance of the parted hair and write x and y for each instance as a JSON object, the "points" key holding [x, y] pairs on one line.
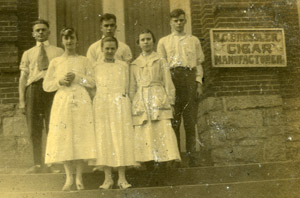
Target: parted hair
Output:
{"points": [[109, 39], [176, 13], [108, 16], [40, 21], [145, 31]]}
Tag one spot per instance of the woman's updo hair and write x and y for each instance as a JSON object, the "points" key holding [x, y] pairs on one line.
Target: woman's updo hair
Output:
{"points": [[146, 31], [109, 39], [68, 31]]}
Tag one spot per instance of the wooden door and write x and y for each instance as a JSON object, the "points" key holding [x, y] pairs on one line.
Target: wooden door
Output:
{"points": [[141, 14], [83, 16]]}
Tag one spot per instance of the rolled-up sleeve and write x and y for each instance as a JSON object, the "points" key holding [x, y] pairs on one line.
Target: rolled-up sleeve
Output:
{"points": [[24, 65]]}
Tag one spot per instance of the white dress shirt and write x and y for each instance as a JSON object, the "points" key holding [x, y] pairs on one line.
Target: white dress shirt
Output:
{"points": [[29, 61], [182, 50]]}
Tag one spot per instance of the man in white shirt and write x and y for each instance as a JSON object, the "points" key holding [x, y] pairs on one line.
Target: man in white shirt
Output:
{"points": [[34, 102], [108, 27], [184, 55]]}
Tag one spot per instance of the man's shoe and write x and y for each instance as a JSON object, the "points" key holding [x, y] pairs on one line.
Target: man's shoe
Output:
{"points": [[34, 169], [193, 162], [50, 169]]}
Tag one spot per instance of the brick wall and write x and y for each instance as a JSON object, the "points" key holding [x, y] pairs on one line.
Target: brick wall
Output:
{"points": [[15, 37], [249, 14]]}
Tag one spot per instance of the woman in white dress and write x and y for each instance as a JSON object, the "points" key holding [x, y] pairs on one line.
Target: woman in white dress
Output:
{"points": [[71, 138], [152, 94], [112, 114]]}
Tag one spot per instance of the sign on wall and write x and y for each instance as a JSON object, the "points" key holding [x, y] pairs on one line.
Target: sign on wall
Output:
{"points": [[248, 47]]}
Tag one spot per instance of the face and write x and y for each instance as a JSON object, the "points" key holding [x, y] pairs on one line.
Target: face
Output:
{"points": [[146, 42], [69, 42], [40, 32], [109, 49], [178, 23], [108, 27]]}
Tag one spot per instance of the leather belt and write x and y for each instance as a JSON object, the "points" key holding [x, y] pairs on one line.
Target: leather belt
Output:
{"points": [[183, 68]]}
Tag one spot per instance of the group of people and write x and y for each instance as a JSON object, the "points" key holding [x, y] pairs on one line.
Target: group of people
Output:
{"points": [[106, 110]]}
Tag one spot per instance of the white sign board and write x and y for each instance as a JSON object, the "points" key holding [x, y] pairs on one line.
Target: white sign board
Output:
{"points": [[248, 47]]}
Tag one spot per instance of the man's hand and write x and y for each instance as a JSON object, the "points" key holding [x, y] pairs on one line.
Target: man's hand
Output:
{"points": [[199, 90], [173, 109], [22, 107]]}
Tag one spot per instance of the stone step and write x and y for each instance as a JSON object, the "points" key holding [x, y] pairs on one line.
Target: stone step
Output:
{"points": [[278, 188], [176, 177]]}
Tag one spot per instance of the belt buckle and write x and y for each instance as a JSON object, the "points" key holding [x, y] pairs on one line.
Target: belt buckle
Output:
{"points": [[189, 67]]}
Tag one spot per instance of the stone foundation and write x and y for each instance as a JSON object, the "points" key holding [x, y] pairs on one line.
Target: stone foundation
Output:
{"points": [[15, 145], [243, 129], [292, 113]]}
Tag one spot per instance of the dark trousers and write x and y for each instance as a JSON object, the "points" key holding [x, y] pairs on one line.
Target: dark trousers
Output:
{"points": [[184, 80], [38, 107]]}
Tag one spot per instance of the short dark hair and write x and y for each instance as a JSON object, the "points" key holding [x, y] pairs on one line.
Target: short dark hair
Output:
{"points": [[109, 39], [108, 16], [68, 31], [145, 31], [40, 21], [176, 13]]}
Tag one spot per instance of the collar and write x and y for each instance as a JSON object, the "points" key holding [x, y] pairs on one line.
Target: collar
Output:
{"points": [[46, 43], [177, 34], [142, 61]]}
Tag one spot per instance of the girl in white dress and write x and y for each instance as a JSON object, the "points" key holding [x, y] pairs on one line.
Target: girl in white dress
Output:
{"points": [[112, 114], [152, 93], [71, 137]]}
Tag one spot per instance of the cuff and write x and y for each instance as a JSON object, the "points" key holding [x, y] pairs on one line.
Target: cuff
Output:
{"points": [[21, 106], [199, 79], [171, 100], [58, 85]]}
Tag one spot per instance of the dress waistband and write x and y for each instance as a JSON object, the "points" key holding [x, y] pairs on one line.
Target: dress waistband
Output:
{"points": [[151, 84], [110, 89]]}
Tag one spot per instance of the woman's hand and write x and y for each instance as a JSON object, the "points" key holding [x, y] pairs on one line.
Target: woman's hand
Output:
{"points": [[64, 82], [67, 79], [70, 77]]}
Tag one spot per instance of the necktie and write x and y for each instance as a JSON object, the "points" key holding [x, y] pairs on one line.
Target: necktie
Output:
{"points": [[42, 60]]}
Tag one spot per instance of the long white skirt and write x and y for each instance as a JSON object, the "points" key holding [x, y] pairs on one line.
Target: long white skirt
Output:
{"points": [[114, 131], [71, 129], [156, 140]]}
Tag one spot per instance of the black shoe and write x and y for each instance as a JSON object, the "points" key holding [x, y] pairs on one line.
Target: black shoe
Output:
{"points": [[34, 169], [192, 161]]}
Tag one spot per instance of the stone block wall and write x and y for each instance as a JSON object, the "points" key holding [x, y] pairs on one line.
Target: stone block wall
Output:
{"points": [[242, 129], [15, 145], [15, 37], [291, 107]]}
